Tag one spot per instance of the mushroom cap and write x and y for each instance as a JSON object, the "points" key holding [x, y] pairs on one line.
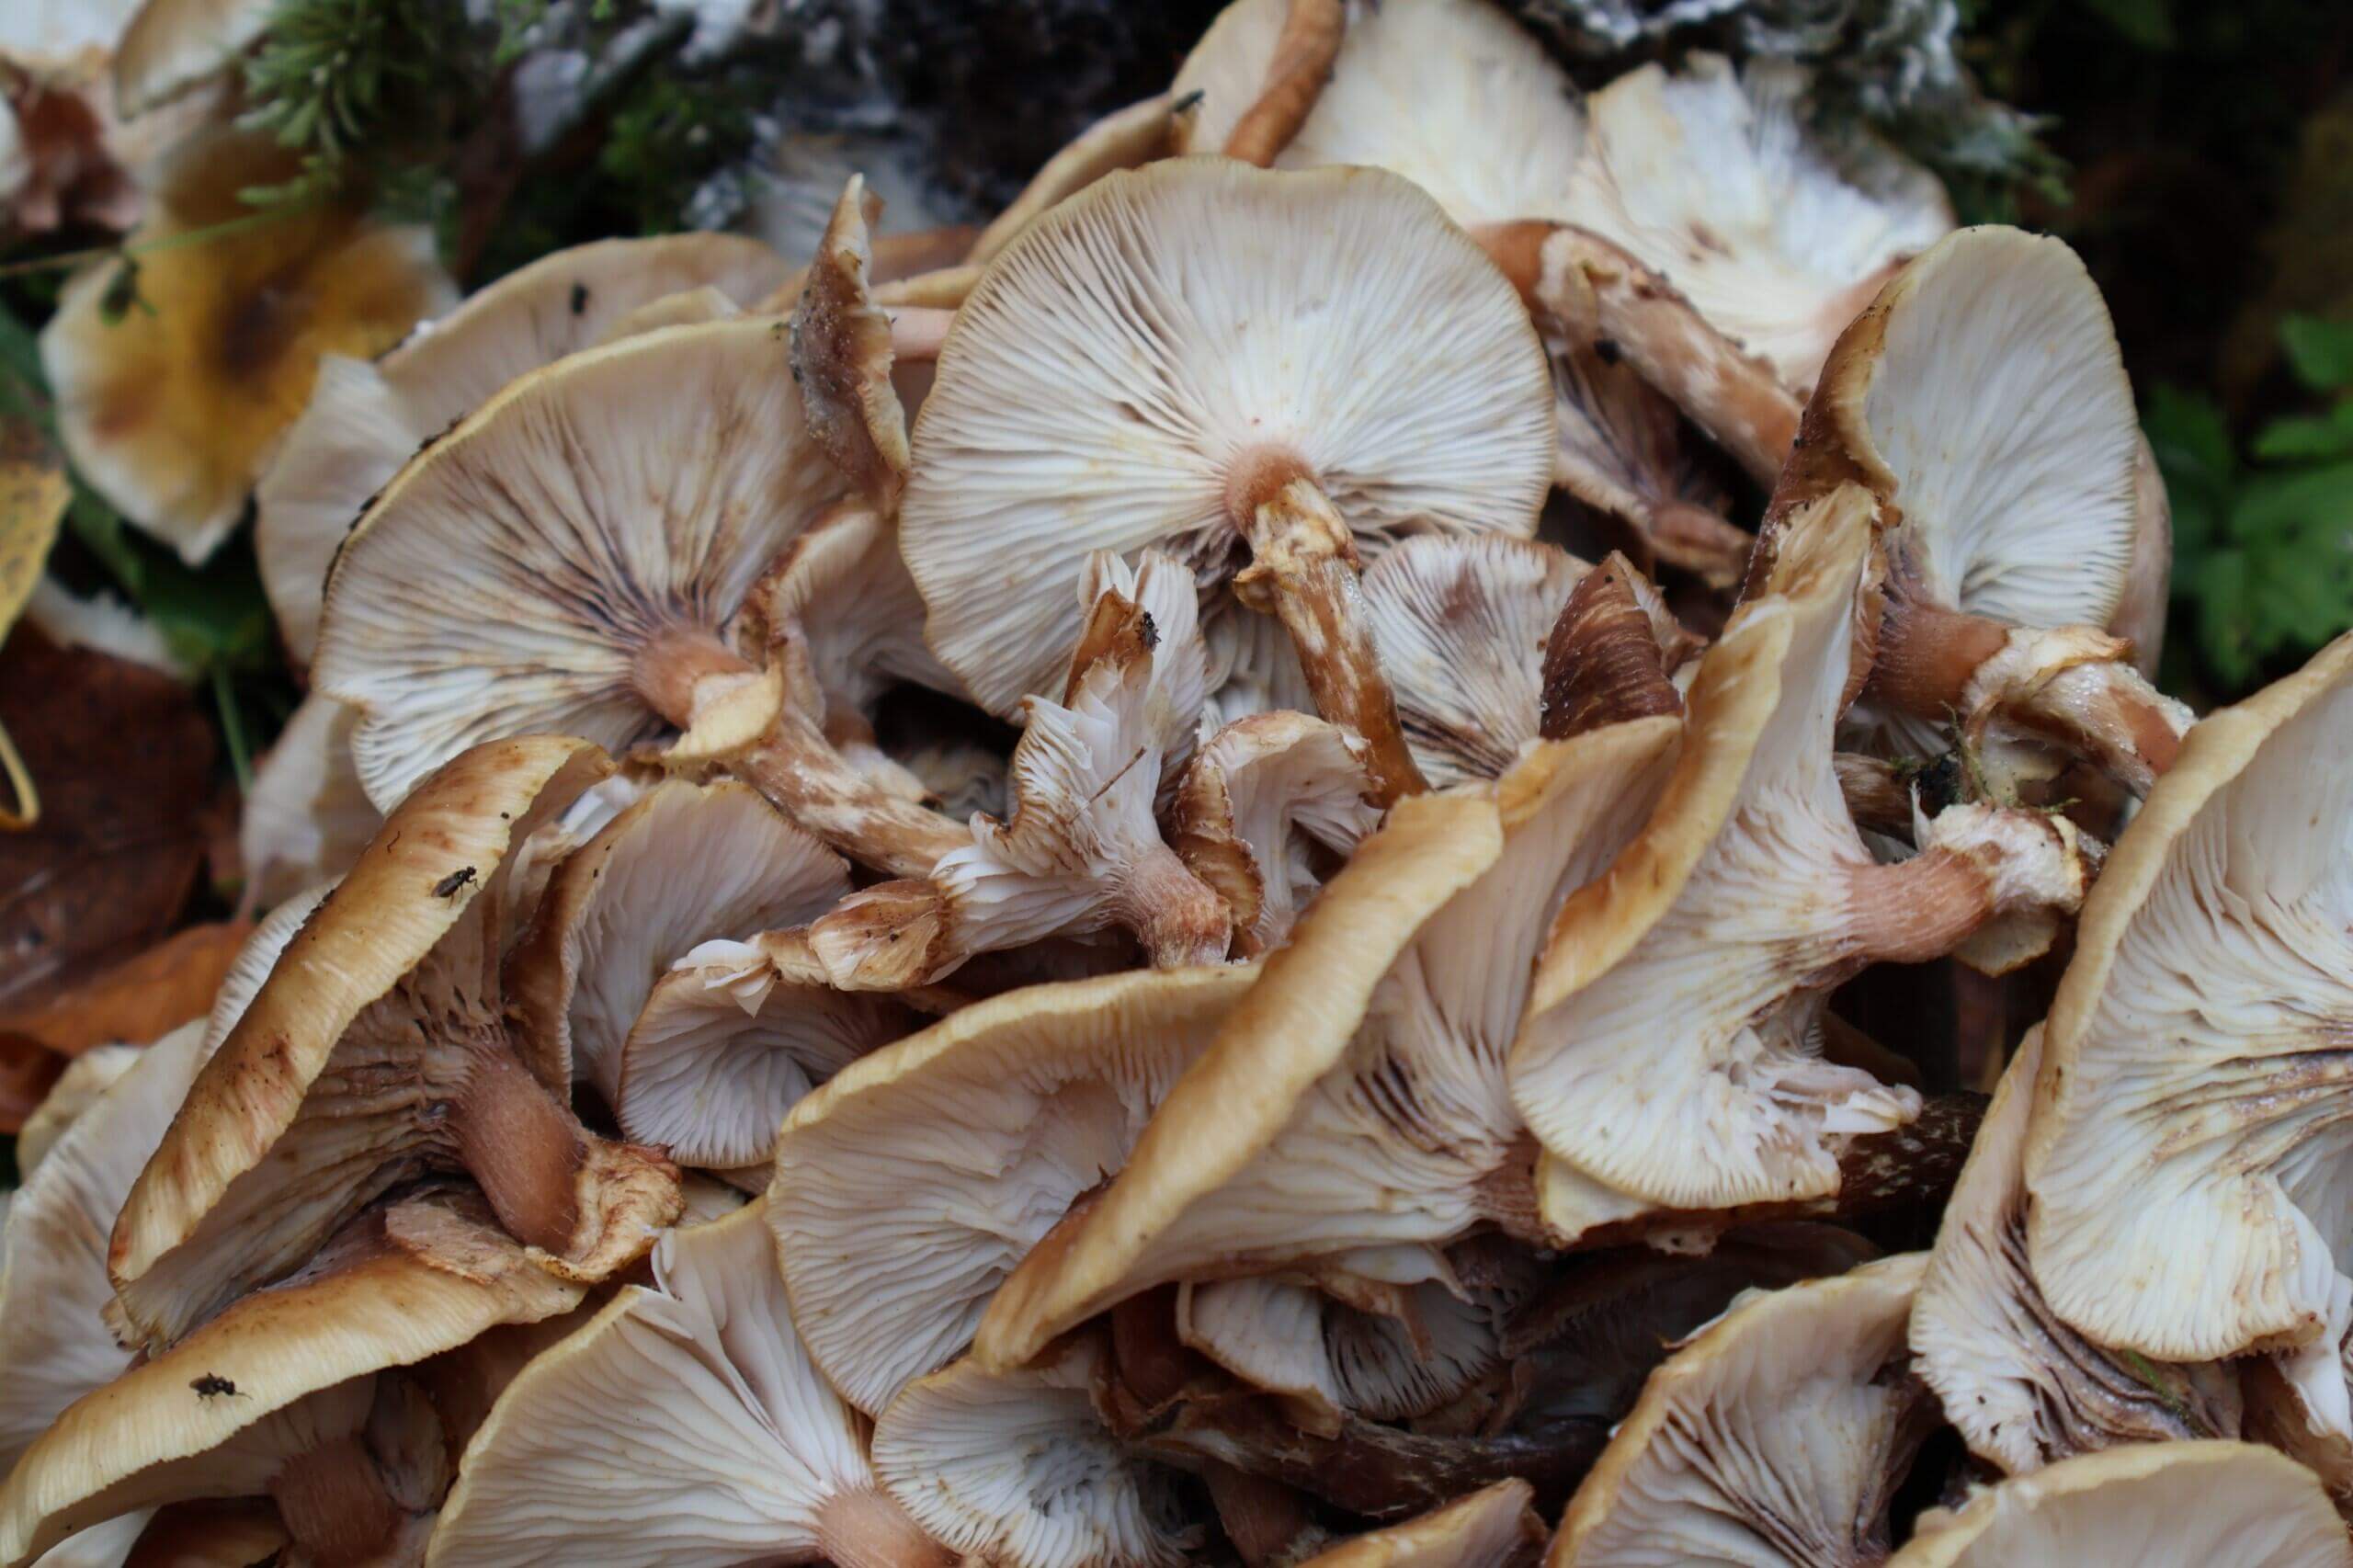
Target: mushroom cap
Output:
{"points": [[1777, 237], [1017, 1468], [1461, 625], [2025, 1388], [1414, 392], [1326, 1358], [1775, 1433], [170, 411], [1120, 140], [914, 1182], [683, 1426], [1355, 1097], [1451, 94], [2187, 1191], [277, 1142], [2151, 1505], [559, 536], [363, 421], [683, 864], [171, 45], [306, 818], [1491, 1527], [1716, 917], [400, 1283], [86, 1078]]}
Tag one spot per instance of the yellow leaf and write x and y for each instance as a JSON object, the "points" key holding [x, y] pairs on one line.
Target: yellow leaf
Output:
{"points": [[34, 493]]}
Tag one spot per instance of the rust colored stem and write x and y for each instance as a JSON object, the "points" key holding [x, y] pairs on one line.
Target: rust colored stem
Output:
{"points": [[918, 331], [522, 1146], [1602, 663], [1302, 60], [335, 1505], [865, 1528], [1176, 917], [1918, 909], [1926, 657]]}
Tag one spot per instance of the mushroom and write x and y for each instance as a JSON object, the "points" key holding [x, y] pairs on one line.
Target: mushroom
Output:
{"points": [[1745, 898], [1623, 451], [169, 408], [1127, 375], [1082, 850], [2180, 1170], [84, 1083], [364, 420], [306, 818], [377, 1052], [2024, 1387], [277, 1396], [1260, 802], [1613, 655], [1123, 139], [1777, 1434], [984, 1129], [1355, 1097], [1983, 401], [2147, 1505], [682, 864], [171, 45], [1491, 1527], [683, 1426]]}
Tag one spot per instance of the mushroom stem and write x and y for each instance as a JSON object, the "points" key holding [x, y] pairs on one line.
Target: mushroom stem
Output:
{"points": [[1980, 862], [522, 1146], [1689, 535], [1301, 63], [1602, 663], [1304, 570], [918, 331], [335, 1504], [865, 1528], [1179, 918]]}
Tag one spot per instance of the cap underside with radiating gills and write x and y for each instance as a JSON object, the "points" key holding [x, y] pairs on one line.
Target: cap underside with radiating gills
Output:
{"points": [[1983, 399], [1460, 624], [1355, 1097], [2186, 1162], [1082, 851], [364, 420], [224, 1413], [914, 1182], [1264, 807], [1451, 94], [565, 560], [1495, 1527], [1778, 1434], [684, 1426], [306, 817], [1196, 356], [683, 864], [2148, 1506], [1017, 1468], [2024, 1387], [170, 411], [1748, 896], [378, 1052]]}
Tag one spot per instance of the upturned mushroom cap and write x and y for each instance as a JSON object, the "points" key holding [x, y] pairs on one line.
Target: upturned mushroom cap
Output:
{"points": [[306, 818], [221, 1413], [2023, 1387], [1355, 1097], [2149, 1506], [170, 411], [1017, 1468], [683, 864], [554, 537], [1122, 140], [1451, 94], [85, 1080], [2185, 1188], [364, 420], [1747, 895], [1495, 1527], [1712, 178], [683, 1426], [376, 1052], [892, 1235], [1460, 624], [1411, 394], [1777, 1434]]}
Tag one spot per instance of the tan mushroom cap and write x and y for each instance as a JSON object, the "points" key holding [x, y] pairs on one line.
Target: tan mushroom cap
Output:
{"points": [[1451, 94], [306, 818], [1495, 1527], [982, 1131], [1777, 1434], [364, 420], [684, 1426], [375, 1053], [2150, 1506], [86, 1078], [395, 1286], [1355, 1098], [2184, 1170]]}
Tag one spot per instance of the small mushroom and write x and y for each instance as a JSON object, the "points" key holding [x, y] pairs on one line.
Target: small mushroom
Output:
{"points": [[377, 1052], [683, 1426], [1242, 428]]}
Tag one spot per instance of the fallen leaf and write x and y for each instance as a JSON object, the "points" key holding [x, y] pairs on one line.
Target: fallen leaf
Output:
{"points": [[134, 1001], [26, 1073]]}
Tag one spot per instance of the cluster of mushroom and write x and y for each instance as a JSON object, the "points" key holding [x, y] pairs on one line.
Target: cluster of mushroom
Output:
{"points": [[1350, 1076]]}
